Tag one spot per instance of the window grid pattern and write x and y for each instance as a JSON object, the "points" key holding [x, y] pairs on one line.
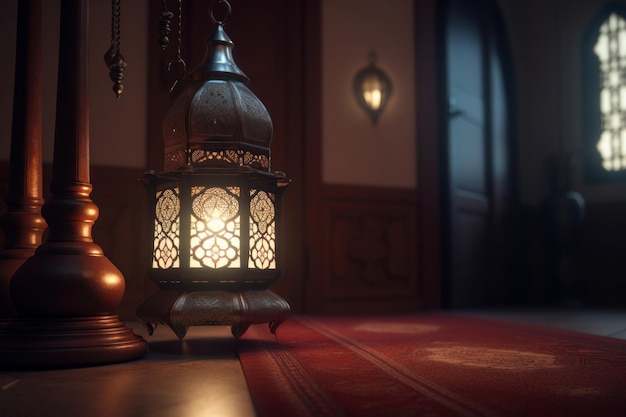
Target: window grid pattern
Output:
{"points": [[610, 49]]}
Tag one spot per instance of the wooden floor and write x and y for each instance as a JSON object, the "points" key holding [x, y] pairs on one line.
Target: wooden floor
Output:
{"points": [[200, 376]]}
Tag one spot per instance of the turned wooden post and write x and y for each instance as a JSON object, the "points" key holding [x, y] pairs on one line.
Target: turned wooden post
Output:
{"points": [[67, 292], [23, 224]]}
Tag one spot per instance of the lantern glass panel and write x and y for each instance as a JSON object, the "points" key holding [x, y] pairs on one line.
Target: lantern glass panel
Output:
{"points": [[166, 245], [215, 230], [262, 230]]}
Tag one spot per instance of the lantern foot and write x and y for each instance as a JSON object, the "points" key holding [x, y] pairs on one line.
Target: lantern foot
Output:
{"points": [[67, 342], [181, 309]]}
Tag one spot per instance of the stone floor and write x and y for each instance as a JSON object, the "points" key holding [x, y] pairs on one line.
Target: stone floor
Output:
{"points": [[600, 322]]}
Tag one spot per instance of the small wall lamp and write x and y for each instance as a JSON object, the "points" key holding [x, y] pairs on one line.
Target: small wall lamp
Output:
{"points": [[372, 88]]}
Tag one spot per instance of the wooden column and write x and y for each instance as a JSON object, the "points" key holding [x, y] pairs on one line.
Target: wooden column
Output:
{"points": [[23, 224], [67, 292]]}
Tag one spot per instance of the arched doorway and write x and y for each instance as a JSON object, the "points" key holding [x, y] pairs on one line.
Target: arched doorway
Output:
{"points": [[476, 148]]}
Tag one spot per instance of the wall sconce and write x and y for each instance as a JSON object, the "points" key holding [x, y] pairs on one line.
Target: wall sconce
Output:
{"points": [[216, 208], [372, 88]]}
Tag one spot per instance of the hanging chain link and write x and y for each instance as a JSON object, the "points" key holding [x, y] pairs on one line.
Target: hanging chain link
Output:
{"points": [[113, 58], [226, 12], [178, 68]]}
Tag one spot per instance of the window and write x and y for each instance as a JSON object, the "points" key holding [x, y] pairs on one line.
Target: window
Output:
{"points": [[604, 97]]}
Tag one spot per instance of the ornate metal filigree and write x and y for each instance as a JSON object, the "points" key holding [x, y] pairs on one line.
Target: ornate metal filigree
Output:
{"points": [[181, 309], [178, 158], [262, 230], [166, 230], [215, 228]]}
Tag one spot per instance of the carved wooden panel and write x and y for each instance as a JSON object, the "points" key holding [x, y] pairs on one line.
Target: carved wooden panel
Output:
{"points": [[370, 249], [369, 253]]}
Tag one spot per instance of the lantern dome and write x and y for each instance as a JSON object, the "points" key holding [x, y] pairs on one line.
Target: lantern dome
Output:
{"points": [[217, 119]]}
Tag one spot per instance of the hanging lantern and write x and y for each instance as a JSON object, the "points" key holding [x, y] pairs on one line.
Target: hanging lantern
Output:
{"points": [[216, 208], [372, 88]]}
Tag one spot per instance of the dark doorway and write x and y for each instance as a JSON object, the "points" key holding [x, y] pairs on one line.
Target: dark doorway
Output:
{"points": [[477, 187]]}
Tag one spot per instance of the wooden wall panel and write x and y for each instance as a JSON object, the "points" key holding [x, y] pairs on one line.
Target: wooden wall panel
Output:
{"points": [[368, 257], [368, 250]]}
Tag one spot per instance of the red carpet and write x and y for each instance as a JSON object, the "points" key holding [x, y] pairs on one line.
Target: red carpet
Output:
{"points": [[431, 365]]}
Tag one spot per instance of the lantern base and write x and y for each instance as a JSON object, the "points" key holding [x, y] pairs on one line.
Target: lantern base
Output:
{"points": [[181, 309], [67, 342]]}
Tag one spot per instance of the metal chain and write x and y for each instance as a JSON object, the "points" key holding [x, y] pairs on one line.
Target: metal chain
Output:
{"points": [[115, 24], [178, 68], [180, 28], [113, 57]]}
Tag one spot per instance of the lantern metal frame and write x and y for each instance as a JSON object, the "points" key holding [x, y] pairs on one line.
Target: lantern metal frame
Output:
{"points": [[239, 296], [217, 137]]}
